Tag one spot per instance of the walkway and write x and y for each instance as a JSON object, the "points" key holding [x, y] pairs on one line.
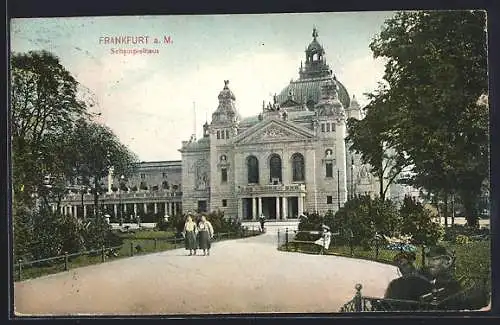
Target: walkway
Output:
{"points": [[241, 276]]}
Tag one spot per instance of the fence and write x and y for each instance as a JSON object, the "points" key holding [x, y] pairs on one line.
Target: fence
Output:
{"points": [[130, 247], [475, 295]]}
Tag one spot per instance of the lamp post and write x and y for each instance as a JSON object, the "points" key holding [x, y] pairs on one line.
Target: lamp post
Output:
{"points": [[122, 180], [338, 188]]}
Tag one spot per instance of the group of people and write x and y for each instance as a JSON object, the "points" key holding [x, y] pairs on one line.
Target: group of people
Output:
{"points": [[198, 235], [433, 282]]}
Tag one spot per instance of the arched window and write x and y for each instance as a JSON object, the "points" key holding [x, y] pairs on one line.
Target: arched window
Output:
{"points": [[253, 170], [275, 168], [298, 167]]}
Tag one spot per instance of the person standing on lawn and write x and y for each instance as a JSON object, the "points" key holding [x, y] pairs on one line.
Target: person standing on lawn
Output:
{"points": [[189, 233], [206, 232]]}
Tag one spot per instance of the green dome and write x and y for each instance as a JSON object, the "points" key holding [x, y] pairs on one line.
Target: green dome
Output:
{"points": [[304, 90]]}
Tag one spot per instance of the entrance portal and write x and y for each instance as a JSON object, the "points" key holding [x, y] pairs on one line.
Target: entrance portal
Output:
{"points": [[269, 207], [247, 209]]}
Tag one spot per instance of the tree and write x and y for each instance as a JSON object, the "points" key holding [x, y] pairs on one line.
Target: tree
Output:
{"points": [[370, 138], [44, 105], [435, 73], [96, 150]]}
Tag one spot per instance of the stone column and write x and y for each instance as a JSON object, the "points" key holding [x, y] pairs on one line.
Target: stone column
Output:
{"points": [[254, 208], [259, 207], [135, 209], [300, 205], [115, 210], [85, 210], [278, 208], [124, 209], [166, 208], [145, 208], [284, 207], [156, 208]]}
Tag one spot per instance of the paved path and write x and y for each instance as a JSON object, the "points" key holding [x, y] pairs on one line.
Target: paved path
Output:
{"points": [[241, 276]]}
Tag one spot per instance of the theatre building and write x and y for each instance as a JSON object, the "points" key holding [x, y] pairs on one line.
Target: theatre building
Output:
{"points": [[289, 158]]}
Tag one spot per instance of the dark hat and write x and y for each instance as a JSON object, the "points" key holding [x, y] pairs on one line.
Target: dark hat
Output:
{"points": [[437, 250]]}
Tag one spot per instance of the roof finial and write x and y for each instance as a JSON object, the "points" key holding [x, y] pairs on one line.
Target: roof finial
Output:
{"points": [[315, 32]]}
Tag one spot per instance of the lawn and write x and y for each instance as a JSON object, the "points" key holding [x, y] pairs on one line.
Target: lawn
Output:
{"points": [[473, 259]]}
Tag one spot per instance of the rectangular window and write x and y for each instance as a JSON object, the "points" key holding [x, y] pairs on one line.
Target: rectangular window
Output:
{"points": [[224, 203], [333, 127], [327, 127], [227, 134], [218, 134], [143, 176], [322, 127], [329, 170], [223, 175], [329, 199], [222, 134], [164, 175]]}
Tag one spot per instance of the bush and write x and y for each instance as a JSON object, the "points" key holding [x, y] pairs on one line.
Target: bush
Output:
{"points": [[362, 217], [416, 220], [309, 222], [451, 233]]}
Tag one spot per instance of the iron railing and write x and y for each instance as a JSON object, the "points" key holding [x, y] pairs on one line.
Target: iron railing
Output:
{"points": [[134, 247], [476, 287]]}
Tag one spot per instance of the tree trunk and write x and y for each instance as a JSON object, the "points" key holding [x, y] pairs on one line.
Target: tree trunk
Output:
{"points": [[96, 197]]}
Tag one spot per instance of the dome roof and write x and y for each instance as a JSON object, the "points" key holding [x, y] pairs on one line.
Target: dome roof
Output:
{"points": [[314, 46], [310, 89]]}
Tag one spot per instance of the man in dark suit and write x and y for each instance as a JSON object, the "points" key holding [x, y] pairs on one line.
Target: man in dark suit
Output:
{"points": [[410, 286]]}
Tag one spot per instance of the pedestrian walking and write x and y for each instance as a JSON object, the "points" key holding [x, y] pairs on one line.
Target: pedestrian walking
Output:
{"points": [[262, 221], [206, 233], [189, 233]]}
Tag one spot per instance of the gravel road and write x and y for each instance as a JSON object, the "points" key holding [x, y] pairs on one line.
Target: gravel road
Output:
{"points": [[240, 276]]}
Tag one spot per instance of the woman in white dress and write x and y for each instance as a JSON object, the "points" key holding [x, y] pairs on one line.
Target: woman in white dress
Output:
{"points": [[206, 233]]}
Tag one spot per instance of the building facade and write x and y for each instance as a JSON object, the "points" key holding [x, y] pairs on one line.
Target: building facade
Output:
{"points": [[290, 158]]}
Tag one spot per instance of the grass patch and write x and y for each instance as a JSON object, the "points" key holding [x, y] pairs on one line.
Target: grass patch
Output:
{"points": [[159, 234], [473, 259]]}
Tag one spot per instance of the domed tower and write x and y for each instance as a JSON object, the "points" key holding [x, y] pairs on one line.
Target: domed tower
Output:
{"points": [[316, 66], [354, 110], [222, 130], [312, 75]]}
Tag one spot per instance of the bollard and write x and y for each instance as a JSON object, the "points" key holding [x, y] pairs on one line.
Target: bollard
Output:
{"points": [[286, 239], [65, 261], [20, 261], [357, 298], [156, 243], [103, 254], [131, 249]]}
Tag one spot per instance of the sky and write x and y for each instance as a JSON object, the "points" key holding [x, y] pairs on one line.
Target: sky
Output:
{"points": [[152, 100]]}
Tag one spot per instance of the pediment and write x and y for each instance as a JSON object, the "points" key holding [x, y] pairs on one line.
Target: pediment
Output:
{"points": [[274, 131]]}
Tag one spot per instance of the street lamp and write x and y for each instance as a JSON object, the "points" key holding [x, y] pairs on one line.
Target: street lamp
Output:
{"points": [[338, 187], [122, 181]]}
